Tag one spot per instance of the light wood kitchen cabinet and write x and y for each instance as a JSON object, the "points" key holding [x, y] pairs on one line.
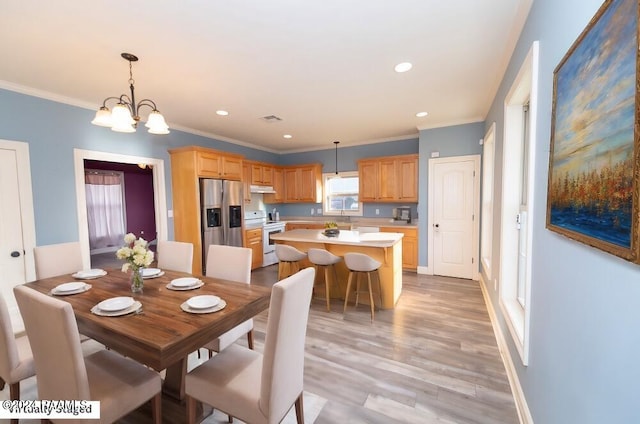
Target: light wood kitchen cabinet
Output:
{"points": [[408, 178], [188, 164], [304, 226], [303, 184], [315, 225], [246, 182], [296, 226], [253, 240], [278, 187], [368, 175], [261, 174], [212, 164], [389, 179], [409, 245]]}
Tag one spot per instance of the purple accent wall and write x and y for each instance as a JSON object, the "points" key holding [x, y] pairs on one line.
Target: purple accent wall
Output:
{"points": [[138, 194]]}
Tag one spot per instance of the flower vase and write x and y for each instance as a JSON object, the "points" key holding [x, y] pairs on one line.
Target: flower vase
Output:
{"points": [[136, 280]]}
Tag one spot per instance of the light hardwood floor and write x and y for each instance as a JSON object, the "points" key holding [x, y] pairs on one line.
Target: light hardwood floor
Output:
{"points": [[432, 359]]}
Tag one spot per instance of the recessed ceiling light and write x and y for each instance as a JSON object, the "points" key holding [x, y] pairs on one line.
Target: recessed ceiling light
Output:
{"points": [[422, 114], [222, 112], [403, 67], [287, 136]]}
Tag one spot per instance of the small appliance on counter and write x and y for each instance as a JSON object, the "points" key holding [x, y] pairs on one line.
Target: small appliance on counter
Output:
{"points": [[402, 213]]}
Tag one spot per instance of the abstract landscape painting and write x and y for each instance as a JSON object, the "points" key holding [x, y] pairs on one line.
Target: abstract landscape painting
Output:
{"points": [[592, 172]]}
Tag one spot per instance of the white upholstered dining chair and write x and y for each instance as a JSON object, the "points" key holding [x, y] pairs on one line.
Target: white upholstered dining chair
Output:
{"points": [[261, 388], [62, 373], [57, 259], [234, 264], [175, 256], [14, 366]]}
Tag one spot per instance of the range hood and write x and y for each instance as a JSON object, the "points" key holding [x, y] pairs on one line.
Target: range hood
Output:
{"points": [[261, 189]]}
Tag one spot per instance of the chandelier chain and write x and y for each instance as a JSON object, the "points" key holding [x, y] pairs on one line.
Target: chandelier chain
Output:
{"points": [[131, 80]]}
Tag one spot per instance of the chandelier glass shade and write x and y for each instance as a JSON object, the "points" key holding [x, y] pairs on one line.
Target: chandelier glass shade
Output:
{"points": [[125, 114]]}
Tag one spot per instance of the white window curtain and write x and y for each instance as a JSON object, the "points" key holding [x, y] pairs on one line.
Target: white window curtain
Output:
{"points": [[105, 208]]}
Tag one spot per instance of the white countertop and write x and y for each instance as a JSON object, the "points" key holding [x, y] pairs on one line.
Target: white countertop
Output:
{"points": [[353, 221], [345, 237]]}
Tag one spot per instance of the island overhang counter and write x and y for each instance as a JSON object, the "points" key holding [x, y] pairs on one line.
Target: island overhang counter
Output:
{"points": [[383, 247]]}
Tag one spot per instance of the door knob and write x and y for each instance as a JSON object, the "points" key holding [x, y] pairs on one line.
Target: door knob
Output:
{"points": [[15, 254], [437, 225]]}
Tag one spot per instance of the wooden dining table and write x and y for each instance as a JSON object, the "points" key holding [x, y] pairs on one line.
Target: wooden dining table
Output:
{"points": [[162, 335]]}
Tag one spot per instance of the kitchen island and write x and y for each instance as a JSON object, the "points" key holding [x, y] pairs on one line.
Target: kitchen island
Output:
{"points": [[383, 247]]}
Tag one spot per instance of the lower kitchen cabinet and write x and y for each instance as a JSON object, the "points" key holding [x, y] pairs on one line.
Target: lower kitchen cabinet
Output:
{"points": [[253, 240], [409, 245]]}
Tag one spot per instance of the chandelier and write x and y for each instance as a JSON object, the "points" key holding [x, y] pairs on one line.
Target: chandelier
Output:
{"points": [[124, 117]]}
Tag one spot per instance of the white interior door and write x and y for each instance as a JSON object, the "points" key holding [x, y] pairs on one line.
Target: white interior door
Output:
{"points": [[16, 236], [454, 204]]}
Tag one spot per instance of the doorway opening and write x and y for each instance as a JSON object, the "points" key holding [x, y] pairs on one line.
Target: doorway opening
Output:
{"points": [[156, 206]]}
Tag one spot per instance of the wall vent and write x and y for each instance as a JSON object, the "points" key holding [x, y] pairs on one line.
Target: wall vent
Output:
{"points": [[271, 118]]}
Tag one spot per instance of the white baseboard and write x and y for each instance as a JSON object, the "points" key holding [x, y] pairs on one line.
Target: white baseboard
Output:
{"points": [[424, 270], [521, 402]]}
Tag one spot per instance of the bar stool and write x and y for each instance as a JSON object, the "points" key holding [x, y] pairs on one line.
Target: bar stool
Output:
{"points": [[359, 263], [289, 256], [322, 258]]}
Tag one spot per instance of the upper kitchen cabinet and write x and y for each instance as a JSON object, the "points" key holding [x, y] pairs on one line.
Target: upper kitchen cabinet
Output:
{"points": [[214, 164], [261, 174], [389, 179], [278, 187], [303, 183], [246, 182]]}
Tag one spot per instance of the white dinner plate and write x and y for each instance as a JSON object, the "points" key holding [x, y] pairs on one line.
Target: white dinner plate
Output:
{"points": [[134, 308], [90, 273], [68, 287], [116, 304], [150, 272], [206, 301], [184, 282], [160, 274], [196, 286], [82, 289], [220, 306]]}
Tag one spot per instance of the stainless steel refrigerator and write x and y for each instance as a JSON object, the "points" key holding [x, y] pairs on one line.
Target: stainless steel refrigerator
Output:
{"points": [[221, 204]]}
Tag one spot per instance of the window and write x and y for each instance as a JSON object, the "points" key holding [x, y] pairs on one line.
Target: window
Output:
{"points": [[522, 216], [486, 244], [341, 194], [518, 165]]}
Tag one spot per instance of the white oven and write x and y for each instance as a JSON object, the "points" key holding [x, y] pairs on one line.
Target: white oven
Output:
{"points": [[268, 245]]}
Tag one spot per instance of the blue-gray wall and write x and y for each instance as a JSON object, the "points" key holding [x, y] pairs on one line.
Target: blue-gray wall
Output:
{"points": [[585, 304]]}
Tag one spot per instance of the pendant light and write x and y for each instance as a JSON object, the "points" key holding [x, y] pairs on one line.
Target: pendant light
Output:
{"points": [[336, 143]]}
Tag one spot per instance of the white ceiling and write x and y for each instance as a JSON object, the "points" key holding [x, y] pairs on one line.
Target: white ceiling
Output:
{"points": [[325, 66]]}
